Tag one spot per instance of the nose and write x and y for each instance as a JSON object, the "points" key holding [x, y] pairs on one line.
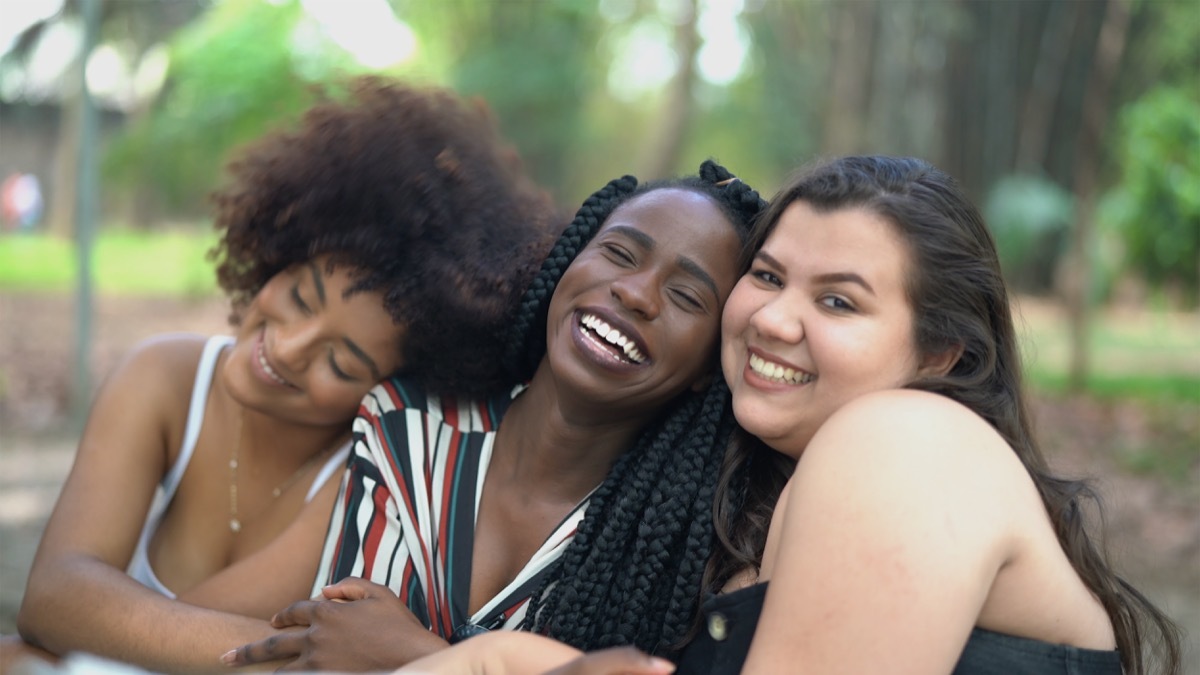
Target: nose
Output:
{"points": [[779, 320], [294, 342], [639, 292]]}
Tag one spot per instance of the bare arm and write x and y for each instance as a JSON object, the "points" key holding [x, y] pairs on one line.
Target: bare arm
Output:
{"points": [[892, 535], [514, 652], [79, 596]]}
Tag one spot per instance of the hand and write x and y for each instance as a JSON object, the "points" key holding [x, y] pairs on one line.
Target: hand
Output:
{"points": [[616, 661], [358, 626]]}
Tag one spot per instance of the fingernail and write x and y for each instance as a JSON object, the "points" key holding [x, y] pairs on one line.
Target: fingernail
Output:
{"points": [[662, 664], [229, 658]]}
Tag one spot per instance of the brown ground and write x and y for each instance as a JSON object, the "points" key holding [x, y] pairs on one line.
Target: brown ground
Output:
{"points": [[1153, 520]]}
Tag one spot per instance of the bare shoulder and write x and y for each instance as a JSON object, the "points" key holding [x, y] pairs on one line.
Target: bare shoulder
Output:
{"points": [[921, 445], [155, 377], [168, 350], [915, 423]]}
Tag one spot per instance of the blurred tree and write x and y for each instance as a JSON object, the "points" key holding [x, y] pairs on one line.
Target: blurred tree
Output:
{"points": [[1154, 210], [134, 28], [535, 63], [234, 74], [1109, 48], [1030, 218]]}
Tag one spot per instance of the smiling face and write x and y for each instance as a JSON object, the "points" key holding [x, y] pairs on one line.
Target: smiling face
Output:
{"points": [[635, 318], [306, 352], [821, 318]]}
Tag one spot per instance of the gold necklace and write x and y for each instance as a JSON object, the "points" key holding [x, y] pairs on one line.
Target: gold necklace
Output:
{"points": [[235, 523]]}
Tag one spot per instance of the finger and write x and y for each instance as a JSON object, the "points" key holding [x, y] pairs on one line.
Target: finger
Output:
{"points": [[282, 646], [296, 614], [353, 588], [616, 660]]}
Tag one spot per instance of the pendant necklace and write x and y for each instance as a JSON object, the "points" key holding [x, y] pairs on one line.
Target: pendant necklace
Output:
{"points": [[235, 523]]}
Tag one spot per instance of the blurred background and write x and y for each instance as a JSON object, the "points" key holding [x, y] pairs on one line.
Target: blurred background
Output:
{"points": [[1074, 124]]}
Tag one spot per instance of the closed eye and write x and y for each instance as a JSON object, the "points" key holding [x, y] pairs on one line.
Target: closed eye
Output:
{"points": [[619, 254], [687, 300], [338, 372], [299, 301]]}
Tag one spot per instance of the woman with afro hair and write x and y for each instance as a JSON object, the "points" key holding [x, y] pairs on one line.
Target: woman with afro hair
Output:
{"points": [[392, 232], [578, 504]]}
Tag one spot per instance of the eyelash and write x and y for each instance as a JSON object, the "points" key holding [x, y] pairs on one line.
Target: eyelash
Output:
{"points": [[303, 306], [621, 254], [767, 278], [338, 372], [692, 304], [839, 304]]}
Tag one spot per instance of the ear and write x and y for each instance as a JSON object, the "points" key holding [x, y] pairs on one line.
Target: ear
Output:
{"points": [[940, 363]]}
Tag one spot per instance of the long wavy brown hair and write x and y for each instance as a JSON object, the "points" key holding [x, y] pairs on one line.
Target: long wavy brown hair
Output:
{"points": [[959, 299]]}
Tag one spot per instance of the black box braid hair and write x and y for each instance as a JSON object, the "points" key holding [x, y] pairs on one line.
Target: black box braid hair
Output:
{"points": [[633, 573]]}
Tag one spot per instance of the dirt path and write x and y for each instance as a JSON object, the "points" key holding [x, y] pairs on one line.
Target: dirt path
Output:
{"points": [[1154, 522]]}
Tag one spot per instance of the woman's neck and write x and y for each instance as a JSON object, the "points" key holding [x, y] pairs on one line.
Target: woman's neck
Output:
{"points": [[549, 442]]}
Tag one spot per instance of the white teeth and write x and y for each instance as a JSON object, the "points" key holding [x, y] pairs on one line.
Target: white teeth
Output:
{"points": [[778, 373], [612, 336], [262, 361]]}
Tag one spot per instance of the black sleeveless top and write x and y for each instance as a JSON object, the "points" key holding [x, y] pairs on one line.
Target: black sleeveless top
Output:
{"points": [[729, 621]]}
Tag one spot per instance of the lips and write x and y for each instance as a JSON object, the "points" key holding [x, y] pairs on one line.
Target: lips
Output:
{"points": [[611, 339], [777, 373], [262, 367]]}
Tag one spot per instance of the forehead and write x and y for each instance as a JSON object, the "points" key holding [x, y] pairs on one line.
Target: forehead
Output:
{"points": [[854, 236], [688, 223]]}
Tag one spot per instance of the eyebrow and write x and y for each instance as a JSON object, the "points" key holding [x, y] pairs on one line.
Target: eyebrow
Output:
{"points": [[364, 357], [685, 263], [350, 344], [317, 281], [844, 277], [691, 267]]}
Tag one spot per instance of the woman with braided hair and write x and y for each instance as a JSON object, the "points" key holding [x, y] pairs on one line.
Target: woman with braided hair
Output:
{"points": [[392, 230], [922, 531], [578, 505]]}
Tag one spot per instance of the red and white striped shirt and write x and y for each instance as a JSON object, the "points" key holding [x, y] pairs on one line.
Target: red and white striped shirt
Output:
{"points": [[406, 513]]}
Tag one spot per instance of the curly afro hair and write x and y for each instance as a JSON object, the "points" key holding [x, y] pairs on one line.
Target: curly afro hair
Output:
{"points": [[414, 191]]}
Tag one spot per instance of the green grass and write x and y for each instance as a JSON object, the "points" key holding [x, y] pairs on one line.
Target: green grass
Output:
{"points": [[1150, 355], [1150, 387], [123, 263]]}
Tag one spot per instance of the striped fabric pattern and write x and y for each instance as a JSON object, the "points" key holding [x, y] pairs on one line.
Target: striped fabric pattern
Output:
{"points": [[406, 513]]}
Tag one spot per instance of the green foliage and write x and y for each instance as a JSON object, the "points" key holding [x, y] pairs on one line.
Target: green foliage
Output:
{"points": [[234, 74], [123, 262], [1030, 217], [1154, 210]]}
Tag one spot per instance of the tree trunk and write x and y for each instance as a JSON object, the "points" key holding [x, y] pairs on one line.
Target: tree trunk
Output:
{"points": [[1110, 46], [850, 78], [665, 148]]}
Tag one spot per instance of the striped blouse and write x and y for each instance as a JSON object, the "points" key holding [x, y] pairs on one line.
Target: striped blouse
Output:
{"points": [[406, 513]]}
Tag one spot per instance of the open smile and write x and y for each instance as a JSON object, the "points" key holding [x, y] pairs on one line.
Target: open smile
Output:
{"points": [[777, 373], [263, 367], [608, 342]]}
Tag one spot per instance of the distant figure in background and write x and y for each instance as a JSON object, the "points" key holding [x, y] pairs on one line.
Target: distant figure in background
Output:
{"points": [[392, 232], [21, 200]]}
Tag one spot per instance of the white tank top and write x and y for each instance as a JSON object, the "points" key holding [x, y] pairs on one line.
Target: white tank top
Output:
{"points": [[139, 565]]}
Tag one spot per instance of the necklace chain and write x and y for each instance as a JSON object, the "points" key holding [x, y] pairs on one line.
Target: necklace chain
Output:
{"points": [[235, 523]]}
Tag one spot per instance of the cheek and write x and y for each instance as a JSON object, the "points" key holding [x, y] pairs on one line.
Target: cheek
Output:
{"points": [[337, 401]]}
